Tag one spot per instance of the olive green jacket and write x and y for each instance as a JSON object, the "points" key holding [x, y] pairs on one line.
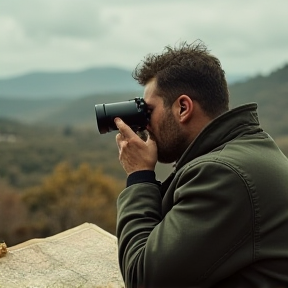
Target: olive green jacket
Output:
{"points": [[221, 220]]}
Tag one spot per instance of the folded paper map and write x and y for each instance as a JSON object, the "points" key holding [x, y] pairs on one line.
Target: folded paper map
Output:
{"points": [[84, 256]]}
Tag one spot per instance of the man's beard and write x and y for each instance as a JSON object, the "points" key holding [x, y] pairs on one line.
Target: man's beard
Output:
{"points": [[171, 141]]}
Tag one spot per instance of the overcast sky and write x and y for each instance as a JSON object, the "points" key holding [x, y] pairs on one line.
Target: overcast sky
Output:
{"points": [[248, 36]]}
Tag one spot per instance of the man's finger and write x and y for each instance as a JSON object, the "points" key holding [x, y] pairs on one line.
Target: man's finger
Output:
{"points": [[124, 129], [118, 140]]}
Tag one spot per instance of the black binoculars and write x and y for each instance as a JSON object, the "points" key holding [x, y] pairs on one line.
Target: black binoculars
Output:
{"points": [[133, 112]]}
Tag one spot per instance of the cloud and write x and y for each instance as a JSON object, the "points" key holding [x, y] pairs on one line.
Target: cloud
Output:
{"points": [[248, 36], [48, 19]]}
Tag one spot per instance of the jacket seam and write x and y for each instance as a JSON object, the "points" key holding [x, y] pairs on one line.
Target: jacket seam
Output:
{"points": [[216, 264], [255, 214]]}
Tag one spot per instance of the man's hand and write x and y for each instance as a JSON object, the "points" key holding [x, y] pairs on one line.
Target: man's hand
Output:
{"points": [[134, 153]]}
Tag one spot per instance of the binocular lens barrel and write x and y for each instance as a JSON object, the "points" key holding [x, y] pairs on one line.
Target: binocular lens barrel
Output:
{"points": [[132, 112]]}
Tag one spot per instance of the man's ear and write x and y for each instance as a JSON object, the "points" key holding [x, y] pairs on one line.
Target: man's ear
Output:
{"points": [[184, 108]]}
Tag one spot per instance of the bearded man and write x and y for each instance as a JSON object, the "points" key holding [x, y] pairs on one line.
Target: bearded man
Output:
{"points": [[221, 218]]}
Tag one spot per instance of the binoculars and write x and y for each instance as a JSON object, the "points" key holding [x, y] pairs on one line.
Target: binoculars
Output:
{"points": [[133, 112]]}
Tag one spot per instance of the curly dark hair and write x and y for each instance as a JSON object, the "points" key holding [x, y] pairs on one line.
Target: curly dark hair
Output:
{"points": [[188, 69]]}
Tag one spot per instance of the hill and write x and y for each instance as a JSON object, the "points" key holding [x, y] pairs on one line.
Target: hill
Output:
{"points": [[30, 110], [81, 112], [271, 94], [29, 152], [71, 85], [77, 112]]}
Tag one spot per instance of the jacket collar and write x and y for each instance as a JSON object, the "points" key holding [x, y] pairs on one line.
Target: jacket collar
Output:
{"points": [[231, 124]]}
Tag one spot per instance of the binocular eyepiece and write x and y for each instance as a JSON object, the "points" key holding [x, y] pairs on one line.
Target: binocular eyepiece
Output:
{"points": [[133, 112]]}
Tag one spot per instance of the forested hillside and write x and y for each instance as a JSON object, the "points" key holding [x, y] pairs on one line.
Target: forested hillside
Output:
{"points": [[54, 178], [29, 152], [271, 94]]}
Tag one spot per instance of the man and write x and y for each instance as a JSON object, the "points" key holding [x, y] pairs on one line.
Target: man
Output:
{"points": [[221, 218]]}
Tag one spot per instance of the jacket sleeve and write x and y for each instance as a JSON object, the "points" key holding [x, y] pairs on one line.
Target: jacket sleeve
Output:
{"points": [[201, 232]]}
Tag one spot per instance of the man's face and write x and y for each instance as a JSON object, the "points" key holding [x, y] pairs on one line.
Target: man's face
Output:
{"points": [[163, 128]]}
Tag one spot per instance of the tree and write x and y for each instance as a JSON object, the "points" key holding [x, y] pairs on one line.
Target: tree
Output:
{"points": [[68, 198], [13, 216]]}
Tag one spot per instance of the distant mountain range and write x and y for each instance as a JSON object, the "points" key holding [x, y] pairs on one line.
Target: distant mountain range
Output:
{"points": [[68, 85], [270, 92], [72, 85]]}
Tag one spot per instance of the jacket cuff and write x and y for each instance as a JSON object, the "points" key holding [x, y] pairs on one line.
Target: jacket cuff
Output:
{"points": [[142, 176]]}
